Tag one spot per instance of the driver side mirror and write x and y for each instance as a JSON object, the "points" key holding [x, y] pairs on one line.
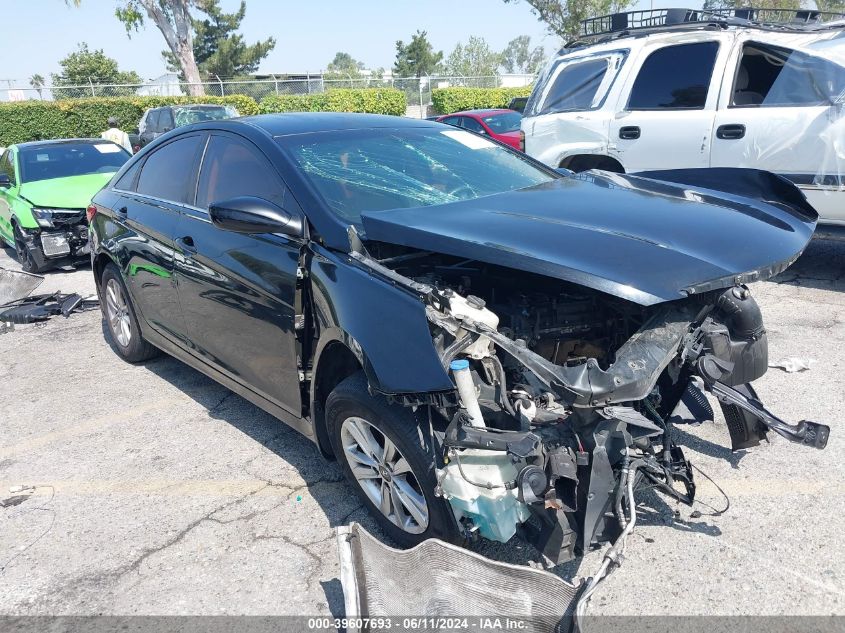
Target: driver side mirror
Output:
{"points": [[5, 182], [248, 214]]}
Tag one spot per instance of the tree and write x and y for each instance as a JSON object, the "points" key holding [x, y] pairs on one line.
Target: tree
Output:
{"points": [[37, 82], [473, 59], [416, 58], [343, 66], [85, 67], [173, 19], [519, 57], [219, 50], [563, 17]]}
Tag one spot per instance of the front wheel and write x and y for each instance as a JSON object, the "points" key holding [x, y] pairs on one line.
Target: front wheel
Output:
{"points": [[388, 456], [121, 320], [28, 260]]}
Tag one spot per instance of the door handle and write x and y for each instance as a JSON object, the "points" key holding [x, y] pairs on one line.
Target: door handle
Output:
{"points": [[629, 132], [123, 210], [186, 245], [731, 131]]}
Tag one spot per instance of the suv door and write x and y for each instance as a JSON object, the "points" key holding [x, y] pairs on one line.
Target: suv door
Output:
{"points": [[238, 291], [780, 112], [570, 108], [666, 118], [150, 197]]}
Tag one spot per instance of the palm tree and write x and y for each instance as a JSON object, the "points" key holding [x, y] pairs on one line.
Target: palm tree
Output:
{"points": [[37, 82]]}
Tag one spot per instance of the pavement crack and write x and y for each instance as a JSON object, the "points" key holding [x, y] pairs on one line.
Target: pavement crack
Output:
{"points": [[119, 572]]}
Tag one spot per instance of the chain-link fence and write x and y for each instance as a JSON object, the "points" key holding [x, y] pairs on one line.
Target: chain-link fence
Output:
{"points": [[417, 90]]}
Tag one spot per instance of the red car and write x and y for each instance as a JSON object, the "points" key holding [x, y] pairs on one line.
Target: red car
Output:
{"points": [[501, 124]]}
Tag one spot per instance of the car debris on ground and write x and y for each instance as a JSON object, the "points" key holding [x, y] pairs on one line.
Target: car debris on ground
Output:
{"points": [[17, 306], [791, 364]]}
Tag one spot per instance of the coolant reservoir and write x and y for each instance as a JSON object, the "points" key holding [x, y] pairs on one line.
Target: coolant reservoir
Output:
{"points": [[473, 308], [496, 511]]}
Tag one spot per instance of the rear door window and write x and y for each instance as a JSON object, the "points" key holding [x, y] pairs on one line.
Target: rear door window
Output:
{"points": [[232, 168], [675, 78], [775, 76], [472, 125], [168, 173], [127, 181]]}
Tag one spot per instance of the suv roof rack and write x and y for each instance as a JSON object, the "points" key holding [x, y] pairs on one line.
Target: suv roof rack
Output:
{"points": [[629, 23]]}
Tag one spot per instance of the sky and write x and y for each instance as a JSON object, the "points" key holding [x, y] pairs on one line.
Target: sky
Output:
{"points": [[308, 34]]}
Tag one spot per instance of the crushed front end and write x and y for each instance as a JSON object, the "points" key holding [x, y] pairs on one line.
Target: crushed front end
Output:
{"points": [[565, 395], [61, 237]]}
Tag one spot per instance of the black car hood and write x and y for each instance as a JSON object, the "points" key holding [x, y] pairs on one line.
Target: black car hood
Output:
{"points": [[641, 239]]}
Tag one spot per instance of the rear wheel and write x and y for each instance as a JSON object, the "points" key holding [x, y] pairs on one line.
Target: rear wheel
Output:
{"points": [[121, 321], [388, 456]]}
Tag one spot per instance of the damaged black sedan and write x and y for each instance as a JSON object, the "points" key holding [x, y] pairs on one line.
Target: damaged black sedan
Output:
{"points": [[485, 345]]}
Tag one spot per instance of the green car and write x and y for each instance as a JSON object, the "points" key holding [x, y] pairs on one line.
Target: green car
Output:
{"points": [[45, 187]]}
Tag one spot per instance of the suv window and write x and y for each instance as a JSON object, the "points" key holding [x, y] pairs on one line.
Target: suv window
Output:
{"points": [[165, 120], [6, 166], [577, 84], [675, 78], [168, 171], [233, 168], [152, 121], [775, 76]]}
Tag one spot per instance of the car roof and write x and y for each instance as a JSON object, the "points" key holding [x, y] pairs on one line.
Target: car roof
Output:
{"points": [[60, 141], [305, 122], [197, 105], [633, 40], [484, 111]]}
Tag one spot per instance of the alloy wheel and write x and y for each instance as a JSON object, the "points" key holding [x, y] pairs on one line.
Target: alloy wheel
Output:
{"points": [[384, 475], [117, 311]]}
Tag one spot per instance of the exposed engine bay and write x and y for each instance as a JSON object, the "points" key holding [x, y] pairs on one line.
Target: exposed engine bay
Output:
{"points": [[566, 397]]}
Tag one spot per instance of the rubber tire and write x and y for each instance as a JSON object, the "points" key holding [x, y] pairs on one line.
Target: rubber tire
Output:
{"points": [[409, 432], [138, 349], [28, 264]]}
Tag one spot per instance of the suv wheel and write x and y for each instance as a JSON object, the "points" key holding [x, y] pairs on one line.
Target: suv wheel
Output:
{"points": [[121, 322], [389, 459]]}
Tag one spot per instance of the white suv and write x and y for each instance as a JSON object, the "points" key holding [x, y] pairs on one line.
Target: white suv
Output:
{"points": [[700, 91]]}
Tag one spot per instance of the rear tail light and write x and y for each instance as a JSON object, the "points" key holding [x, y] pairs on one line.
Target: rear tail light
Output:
{"points": [[90, 212], [521, 141]]}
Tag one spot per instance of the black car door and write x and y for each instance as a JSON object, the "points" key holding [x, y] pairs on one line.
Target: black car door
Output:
{"points": [[238, 291], [151, 197]]}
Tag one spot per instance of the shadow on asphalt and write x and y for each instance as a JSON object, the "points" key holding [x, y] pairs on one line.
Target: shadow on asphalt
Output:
{"points": [[822, 266]]}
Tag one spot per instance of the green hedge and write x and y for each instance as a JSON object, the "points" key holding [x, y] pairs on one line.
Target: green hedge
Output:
{"points": [[370, 100], [448, 100], [36, 120]]}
